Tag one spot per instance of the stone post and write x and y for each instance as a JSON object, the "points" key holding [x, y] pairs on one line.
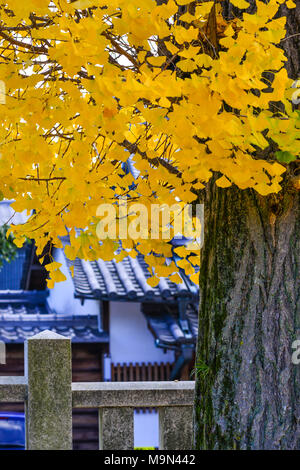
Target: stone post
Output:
{"points": [[116, 428], [175, 427], [49, 403]]}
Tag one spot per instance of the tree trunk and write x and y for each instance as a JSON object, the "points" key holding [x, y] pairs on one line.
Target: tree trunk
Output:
{"points": [[247, 388]]}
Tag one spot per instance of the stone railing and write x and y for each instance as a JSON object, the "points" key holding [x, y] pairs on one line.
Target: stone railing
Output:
{"points": [[50, 396]]}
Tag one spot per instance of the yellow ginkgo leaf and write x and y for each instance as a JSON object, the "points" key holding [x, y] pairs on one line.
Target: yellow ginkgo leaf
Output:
{"points": [[50, 283], [19, 242], [164, 102], [189, 53], [53, 266], [229, 31], [185, 35], [263, 189], [240, 4], [183, 2], [82, 4], [157, 61], [187, 65], [153, 281], [195, 260], [195, 278], [203, 9], [180, 250], [183, 263], [290, 4], [203, 60], [173, 49], [223, 182], [276, 169], [175, 278], [187, 17]]}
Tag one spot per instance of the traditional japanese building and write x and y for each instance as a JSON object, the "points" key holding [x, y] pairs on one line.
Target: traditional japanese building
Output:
{"points": [[170, 309], [121, 328]]}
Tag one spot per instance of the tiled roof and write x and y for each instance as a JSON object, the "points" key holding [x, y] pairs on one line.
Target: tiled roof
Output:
{"points": [[23, 296], [126, 280], [23, 315], [171, 332], [79, 329]]}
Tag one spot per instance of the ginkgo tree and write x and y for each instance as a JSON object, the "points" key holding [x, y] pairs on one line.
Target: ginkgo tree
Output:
{"points": [[204, 96]]}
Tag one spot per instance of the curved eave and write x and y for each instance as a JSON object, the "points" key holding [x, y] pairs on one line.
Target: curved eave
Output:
{"points": [[138, 298]]}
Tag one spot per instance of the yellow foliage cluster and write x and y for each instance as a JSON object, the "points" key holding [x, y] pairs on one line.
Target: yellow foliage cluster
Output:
{"points": [[89, 82]]}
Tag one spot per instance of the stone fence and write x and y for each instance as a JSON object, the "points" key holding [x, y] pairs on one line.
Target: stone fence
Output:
{"points": [[49, 396]]}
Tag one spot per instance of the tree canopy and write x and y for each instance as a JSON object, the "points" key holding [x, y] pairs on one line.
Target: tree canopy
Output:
{"points": [[184, 89]]}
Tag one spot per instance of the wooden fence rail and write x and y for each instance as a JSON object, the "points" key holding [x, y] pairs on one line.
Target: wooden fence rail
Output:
{"points": [[140, 372], [49, 396]]}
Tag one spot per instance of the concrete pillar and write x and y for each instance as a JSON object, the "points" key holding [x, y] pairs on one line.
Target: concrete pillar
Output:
{"points": [[116, 428], [49, 403], [2, 353], [175, 427]]}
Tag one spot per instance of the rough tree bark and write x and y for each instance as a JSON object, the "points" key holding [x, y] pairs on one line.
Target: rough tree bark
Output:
{"points": [[247, 388]]}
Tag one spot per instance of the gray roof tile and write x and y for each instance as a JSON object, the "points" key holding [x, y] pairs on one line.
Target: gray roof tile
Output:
{"points": [[24, 314], [168, 330], [126, 280]]}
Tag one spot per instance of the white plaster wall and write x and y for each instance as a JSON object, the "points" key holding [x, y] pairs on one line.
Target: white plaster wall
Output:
{"points": [[146, 429], [61, 297], [130, 339]]}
